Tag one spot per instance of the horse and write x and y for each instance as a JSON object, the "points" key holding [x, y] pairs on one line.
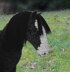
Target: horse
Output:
{"points": [[22, 27]]}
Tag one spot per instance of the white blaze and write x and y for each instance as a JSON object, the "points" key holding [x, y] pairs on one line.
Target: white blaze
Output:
{"points": [[43, 49], [36, 25]]}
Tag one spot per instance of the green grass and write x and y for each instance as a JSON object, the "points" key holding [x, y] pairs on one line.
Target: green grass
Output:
{"points": [[58, 40]]}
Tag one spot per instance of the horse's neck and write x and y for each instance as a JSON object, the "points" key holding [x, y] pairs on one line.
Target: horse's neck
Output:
{"points": [[0, 35], [0, 32], [14, 35], [12, 41]]}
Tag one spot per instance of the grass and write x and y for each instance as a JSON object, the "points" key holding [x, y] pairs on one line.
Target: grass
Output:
{"points": [[58, 40]]}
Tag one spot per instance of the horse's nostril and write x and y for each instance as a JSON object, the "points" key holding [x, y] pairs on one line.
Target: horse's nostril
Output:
{"points": [[44, 53]]}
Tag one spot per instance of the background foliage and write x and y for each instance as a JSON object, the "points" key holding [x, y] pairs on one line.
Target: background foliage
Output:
{"points": [[13, 6]]}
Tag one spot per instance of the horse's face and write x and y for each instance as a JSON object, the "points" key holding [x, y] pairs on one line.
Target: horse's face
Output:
{"points": [[36, 35], [28, 26]]}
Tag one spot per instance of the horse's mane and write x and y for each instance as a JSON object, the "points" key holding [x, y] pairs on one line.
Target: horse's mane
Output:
{"points": [[42, 22]]}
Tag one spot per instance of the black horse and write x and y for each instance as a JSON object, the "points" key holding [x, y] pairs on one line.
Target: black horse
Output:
{"points": [[21, 28]]}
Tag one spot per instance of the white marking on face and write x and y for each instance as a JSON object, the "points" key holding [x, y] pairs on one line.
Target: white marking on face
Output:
{"points": [[43, 48], [36, 25]]}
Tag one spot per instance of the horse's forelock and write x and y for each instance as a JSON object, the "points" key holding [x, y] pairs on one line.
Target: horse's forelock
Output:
{"points": [[42, 22]]}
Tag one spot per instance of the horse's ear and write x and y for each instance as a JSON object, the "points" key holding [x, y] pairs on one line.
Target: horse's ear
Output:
{"points": [[34, 12], [42, 21]]}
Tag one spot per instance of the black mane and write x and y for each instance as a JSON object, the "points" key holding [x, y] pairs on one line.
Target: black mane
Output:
{"points": [[42, 22]]}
